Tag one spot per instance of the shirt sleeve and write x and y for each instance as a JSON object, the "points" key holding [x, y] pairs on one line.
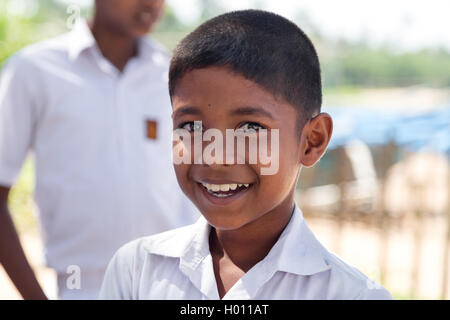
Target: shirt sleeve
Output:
{"points": [[117, 282], [374, 291], [17, 117]]}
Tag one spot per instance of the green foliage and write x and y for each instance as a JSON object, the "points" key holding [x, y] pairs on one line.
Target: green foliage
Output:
{"points": [[170, 22], [17, 31], [170, 30], [360, 65], [21, 199]]}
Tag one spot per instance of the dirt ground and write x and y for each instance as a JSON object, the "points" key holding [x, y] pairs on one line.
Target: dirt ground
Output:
{"points": [[360, 246]]}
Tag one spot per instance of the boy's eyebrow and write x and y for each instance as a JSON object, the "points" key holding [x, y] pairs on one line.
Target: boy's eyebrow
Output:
{"points": [[252, 111], [186, 110]]}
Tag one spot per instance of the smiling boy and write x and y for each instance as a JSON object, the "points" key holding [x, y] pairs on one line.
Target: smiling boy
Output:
{"points": [[249, 71]]}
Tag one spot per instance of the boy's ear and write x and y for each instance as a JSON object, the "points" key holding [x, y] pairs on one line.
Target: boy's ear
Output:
{"points": [[316, 135]]}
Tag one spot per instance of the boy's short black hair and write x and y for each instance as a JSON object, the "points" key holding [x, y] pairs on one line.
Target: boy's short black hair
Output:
{"points": [[261, 46]]}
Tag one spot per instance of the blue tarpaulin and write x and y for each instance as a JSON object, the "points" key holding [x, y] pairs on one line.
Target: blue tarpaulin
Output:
{"points": [[425, 131]]}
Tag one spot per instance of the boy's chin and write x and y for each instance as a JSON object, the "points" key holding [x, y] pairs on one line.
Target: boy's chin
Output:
{"points": [[226, 221], [225, 224], [140, 32]]}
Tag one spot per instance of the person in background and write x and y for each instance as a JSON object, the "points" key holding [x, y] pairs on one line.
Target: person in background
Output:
{"points": [[93, 107]]}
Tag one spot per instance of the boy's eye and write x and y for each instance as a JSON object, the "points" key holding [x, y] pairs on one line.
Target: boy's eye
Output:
{"points": [[248, 126], [191, 126]]}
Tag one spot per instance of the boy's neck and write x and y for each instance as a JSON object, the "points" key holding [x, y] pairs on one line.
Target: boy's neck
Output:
{"points": [[117, 48], [248, 245]]}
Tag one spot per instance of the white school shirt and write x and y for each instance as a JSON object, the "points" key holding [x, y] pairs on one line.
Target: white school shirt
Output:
{"points": [[178, 265], [100, 182]]}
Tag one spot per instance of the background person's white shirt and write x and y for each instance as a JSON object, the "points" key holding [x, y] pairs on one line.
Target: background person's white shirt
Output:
{"points": [[100, 181], [177, 264]]}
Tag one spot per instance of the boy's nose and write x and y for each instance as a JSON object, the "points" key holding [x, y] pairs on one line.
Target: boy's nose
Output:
{"points": [[226, 156]]}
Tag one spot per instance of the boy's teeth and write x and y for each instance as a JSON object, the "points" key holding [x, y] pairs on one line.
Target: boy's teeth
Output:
{"points": [[223, 187]]}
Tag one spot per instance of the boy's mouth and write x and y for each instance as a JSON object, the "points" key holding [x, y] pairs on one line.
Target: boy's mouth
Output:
{"points": [[225, 190], [145, 17]]}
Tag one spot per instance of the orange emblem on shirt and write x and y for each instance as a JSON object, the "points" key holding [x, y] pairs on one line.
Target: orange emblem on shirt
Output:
{"points": [[151, 129]]}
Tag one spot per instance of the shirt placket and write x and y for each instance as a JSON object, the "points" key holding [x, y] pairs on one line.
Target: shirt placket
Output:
{"points": [[122, 110], [118, 129], [251, 282]]}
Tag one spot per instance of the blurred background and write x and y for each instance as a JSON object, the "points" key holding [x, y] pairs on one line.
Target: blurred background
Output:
{"points": [[379, 198]]}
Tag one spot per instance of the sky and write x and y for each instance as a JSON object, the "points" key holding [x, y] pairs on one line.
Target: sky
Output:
{"points": [[405, 24]]}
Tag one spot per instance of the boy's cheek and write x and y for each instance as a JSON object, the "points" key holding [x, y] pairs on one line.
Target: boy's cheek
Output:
{"points": [[181, 172]]}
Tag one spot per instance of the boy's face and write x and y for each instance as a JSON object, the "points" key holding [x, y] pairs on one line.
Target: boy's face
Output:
{"points": [[131, 17], [224, 100]]}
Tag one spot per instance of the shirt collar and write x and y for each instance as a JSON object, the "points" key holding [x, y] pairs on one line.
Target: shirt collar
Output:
{"points": [[296, 251], [83, 39]]}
